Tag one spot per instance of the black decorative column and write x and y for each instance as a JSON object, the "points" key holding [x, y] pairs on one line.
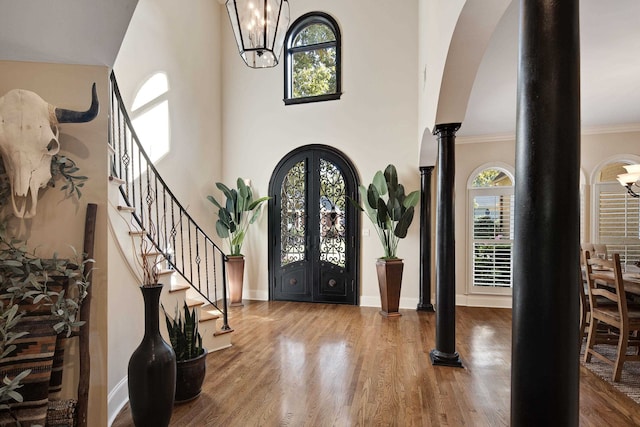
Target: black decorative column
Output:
{"points": [[445, 351], [424, 303], [545, 368]]}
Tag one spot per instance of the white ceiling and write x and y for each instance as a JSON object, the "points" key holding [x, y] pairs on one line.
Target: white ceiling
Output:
{"points": [[610, 71], [87, 32]]}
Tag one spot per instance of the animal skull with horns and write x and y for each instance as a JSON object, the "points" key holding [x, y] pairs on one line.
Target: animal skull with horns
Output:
{"points": [[29, 139]]}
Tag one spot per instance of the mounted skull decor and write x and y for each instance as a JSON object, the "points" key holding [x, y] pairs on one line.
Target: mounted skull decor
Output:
{"points": [[29, 140]]}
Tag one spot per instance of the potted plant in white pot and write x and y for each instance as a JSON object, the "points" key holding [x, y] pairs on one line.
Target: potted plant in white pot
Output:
{"points": [[191, 357], [391, 212], [235, 216]]}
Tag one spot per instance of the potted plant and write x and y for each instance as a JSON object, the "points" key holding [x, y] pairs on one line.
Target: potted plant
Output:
{"points": [[235, 216], [391, 212], [191, 357]]}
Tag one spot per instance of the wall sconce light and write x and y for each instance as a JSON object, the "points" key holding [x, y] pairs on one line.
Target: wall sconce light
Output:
{"points": [[631, 178], [259, 27]]}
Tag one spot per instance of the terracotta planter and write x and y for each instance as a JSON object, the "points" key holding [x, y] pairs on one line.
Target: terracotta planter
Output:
{"points": [[390, 282], [189, 377], [235, 276]]}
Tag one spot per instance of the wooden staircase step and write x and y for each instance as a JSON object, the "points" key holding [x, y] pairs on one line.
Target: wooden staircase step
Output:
{"points": [[178, 287], [126, 208], [165, 272], [117, 181], [193, 303], [206, 316], [222, 332], [140, 233]]}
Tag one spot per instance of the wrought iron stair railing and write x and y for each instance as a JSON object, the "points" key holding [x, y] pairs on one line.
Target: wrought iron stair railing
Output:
{"points": [[166, 224]]}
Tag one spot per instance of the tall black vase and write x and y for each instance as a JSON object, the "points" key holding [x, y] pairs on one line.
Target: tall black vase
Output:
{"points": [[152, 369]]}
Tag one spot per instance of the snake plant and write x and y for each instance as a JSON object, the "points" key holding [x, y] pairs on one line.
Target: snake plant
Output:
{"points": [[183, 333]]}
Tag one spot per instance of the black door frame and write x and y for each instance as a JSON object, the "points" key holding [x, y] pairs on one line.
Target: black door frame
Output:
{"points": [[353, 221]]}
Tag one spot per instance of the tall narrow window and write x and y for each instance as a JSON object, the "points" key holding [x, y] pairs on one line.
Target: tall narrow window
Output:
{"points": [[150, 116], [616, 213], [312, 60], [491, 231]]}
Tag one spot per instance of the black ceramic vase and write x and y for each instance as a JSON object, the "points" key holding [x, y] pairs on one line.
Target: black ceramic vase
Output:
{"points": [[152, 369]]}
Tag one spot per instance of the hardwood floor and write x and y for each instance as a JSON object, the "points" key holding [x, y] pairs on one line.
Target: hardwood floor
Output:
{"points": [[297, 364]]}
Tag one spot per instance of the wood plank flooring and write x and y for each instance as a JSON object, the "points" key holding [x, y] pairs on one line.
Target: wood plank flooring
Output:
{"points": [[297, 364]]}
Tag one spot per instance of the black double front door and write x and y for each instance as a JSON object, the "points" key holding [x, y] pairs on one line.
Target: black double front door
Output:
{"points": [[313, 228]]}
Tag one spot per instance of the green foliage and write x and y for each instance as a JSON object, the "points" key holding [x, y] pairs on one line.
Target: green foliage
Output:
{"points": [[314, 70], [25, 277], [388, 208], [238, 212], [183, 333]]}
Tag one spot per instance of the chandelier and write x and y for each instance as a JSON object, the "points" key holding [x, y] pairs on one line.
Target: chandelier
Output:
{"points": [[259, 27], [631, 178]]}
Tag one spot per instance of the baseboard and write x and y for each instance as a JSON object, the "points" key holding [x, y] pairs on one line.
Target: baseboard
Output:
{"points": [[256, 295], [490, 301], [408, 303], [117, 398]]}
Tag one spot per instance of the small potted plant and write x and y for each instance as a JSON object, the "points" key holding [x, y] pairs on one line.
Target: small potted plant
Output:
{"points": [[190, 355], [391, 212], [235, 216]]}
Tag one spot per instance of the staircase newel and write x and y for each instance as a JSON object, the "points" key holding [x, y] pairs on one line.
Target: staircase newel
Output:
{"points": [[225, 316]]}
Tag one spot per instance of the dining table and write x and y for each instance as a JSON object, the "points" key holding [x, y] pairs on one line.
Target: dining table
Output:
{"points": [[631, 280]]}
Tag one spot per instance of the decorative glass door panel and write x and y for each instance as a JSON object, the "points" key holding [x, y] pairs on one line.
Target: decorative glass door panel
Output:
{"points": [[313, 228]]}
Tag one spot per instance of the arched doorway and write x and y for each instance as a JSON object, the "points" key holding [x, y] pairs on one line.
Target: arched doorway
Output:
{"points": [[313, 228]]}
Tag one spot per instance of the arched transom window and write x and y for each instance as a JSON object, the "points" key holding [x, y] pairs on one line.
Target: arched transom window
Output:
{"points": [[312, 59], [150, 116]]}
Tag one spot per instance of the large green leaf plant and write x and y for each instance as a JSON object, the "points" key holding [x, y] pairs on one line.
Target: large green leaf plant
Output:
{"points": [[389, 209], [238, 212]]}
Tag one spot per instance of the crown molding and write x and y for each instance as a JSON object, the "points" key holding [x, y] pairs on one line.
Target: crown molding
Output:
{"points": [[593, 130]]}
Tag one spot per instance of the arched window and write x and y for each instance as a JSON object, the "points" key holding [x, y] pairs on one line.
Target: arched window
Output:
{"points": [[616, 214], [490, 191], [150, 116], [312, 60]]}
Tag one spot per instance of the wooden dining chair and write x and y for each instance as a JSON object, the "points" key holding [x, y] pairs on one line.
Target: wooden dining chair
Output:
{"points": [[608, 305]]}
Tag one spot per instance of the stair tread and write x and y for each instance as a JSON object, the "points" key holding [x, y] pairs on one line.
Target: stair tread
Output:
{"points": [[116, 180], [137, 233], [193, 302], [165, 271], [205, 316], [126, 208], [178, 287], [222, 332]]}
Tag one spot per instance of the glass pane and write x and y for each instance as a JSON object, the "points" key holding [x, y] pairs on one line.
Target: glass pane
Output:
{"points": [[314, 73], [293, 211], [155, 86], [492, 178], [314, 34], [492, 235], [332, 214]]}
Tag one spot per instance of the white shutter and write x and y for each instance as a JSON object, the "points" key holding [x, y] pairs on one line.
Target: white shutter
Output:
{"points": [[492, 237], [617, 221]]}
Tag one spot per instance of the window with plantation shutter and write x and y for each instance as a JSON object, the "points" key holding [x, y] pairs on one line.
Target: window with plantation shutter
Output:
{"points": [[491, 232], [617, 221]]}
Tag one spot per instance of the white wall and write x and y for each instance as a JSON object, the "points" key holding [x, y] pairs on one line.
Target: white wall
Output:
{"points": [[184, 42], [374, 123], [59, 222]]}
